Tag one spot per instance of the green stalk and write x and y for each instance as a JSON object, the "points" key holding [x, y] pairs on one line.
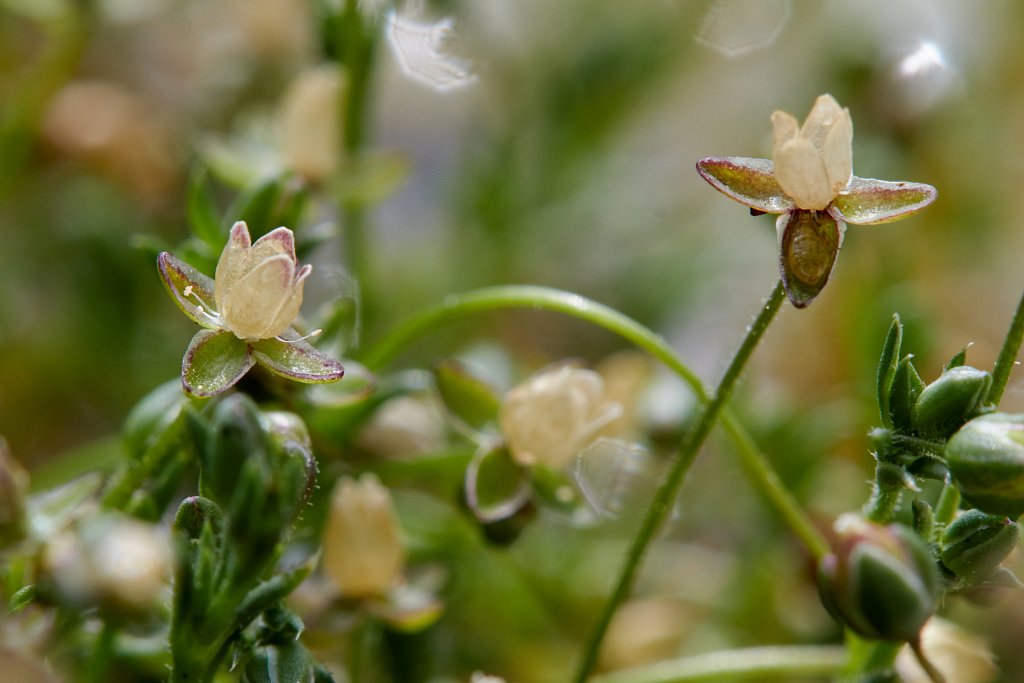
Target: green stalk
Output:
{"points": [[762, 663], [666, 493], [459, 306], [1007, 355]]}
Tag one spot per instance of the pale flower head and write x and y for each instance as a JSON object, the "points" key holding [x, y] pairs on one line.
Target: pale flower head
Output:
{"points": [[311, 124], [814, 163], [961, 656], [553, 415], [363, 555], [258, 287]]}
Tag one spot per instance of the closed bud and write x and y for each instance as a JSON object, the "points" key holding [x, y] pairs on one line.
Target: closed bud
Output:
{"points": [[975, 543], [880, 581], [950, 401], [238, 440], [362, 551], [986, 459]]}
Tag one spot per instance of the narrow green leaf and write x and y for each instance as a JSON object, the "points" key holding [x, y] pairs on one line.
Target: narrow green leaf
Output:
{"points": [[468, 398], [296, 359], [906, 386], [887, 364], [749, 181], [21, 599], [198, 301], [869, 202], [214, 361]]}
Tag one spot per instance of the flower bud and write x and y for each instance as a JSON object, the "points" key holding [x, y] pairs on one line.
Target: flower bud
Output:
{"points": [[549, 418], [880, 581], [986, 459], [950, 401], [362, 552], [975, 543], [814, 162]]}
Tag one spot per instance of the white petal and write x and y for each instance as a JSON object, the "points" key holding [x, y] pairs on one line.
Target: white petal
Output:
{"points": [[785, 126], [801, 173], [837, 153], [251, 306], [233, 263]]}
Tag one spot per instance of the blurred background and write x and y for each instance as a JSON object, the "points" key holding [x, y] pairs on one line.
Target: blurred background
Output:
{"points": [[534, 142]]}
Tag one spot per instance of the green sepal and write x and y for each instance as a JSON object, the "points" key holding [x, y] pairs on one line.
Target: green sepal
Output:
{"points": [[975, 543], [924, 518], [21, 599], [177, 276], [214, 362], [496, 485], [906, 386], [297, 360], [808, 246], [958, 359], [469, 399], [285, 663], [887, 364], [195, 512], [867, 201], [749, 181], [237, 439]]}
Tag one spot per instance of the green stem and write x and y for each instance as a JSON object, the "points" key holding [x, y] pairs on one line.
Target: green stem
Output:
{"points": [[99, 665], [666, 493], [774, 663], [1007, 355], [947, 505], [886, 494], [358, 44], [488, 299]]}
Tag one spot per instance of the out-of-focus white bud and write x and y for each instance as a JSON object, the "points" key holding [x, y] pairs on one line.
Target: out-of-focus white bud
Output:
{"points": [[403, 426], [959, 655], [310, 122], [363, 555], [643, 631], [553, 415]]}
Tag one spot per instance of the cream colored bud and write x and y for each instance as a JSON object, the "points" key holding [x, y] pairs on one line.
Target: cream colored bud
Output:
{"points": [[258, 287], [362, 552], [643, 631], [311, 122], [552, 416], [814, 163], [404, 426], [114, 561], [959, 655]]}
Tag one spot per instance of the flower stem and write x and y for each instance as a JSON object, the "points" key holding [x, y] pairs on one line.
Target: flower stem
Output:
{"points": [[666, 493], [1007, 356], [776, 663], [455, 307]]}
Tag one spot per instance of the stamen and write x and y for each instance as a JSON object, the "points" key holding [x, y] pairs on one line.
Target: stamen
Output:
{"points": [[202, 308], [292, 341]]}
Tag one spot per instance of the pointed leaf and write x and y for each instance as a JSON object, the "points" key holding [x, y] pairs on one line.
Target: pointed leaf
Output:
{"points": [[868, 202], [958, 360], [887, 365], [748, 181], [808, 246], [468, 398], [295, 359], [906, 386], [496, 485], [214, 361], [178, 277]]}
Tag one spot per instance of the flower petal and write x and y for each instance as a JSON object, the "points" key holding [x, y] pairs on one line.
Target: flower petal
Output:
{"points": [[250, 308], [234, 261], [800, 171], [214, 362], [277, 241], [749, 181], [808, 245], [868, 202], [297, 360], [179, 276]]}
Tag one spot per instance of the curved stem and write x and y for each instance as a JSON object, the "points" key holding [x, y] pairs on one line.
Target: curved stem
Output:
{"points": [[755, 662], [1007, 355], [459, 306], [933, 673], [666, 493]]}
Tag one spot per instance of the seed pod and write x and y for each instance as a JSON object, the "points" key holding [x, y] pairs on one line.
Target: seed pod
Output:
{"points": [[808, 245], [976, 543], [950, 401], [986, 459], [881, 581]]}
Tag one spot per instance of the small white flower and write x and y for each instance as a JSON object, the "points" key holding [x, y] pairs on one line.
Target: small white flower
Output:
{"points": [[310, 122], [814, 163], [549, 418], [363, 555], [258, 287]]}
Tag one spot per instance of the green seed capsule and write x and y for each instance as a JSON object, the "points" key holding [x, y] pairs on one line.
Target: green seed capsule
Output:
{"points": [[948, 402], [975, 543], [986, 459]]}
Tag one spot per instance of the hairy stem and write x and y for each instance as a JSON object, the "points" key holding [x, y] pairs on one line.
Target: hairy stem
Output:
{"points": [[1007, 356]]}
